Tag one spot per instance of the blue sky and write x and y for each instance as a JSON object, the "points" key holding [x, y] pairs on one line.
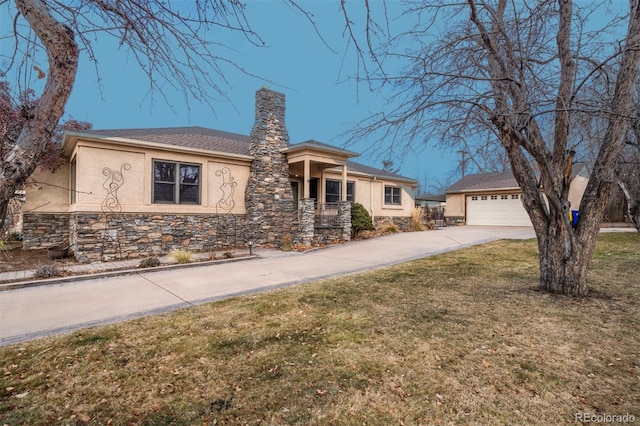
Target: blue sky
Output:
{"points": [[322, 103]]}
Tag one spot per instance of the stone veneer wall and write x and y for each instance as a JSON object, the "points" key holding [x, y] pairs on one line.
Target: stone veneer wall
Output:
{"points": [[96, 237], [44, 230], [341, 232], [404, 223], [102, 238], [268, 197]]}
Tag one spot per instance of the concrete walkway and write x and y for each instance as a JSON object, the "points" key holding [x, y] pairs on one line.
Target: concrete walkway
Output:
{"points": [[43, 310]]}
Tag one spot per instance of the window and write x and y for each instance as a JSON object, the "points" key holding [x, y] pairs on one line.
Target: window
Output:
{"points": [[515, 196], [494, 197], [176, 183], [503, 197], [334, 191], [392, 195], [483, 198], [474, 198]]}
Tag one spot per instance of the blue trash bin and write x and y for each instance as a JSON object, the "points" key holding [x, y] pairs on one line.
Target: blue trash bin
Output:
{"points": [[574, 218]]}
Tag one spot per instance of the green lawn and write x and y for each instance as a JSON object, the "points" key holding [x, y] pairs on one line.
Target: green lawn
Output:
{"points": [[461, 338]]}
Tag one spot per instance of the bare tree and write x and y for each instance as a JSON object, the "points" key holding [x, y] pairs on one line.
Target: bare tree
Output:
{"points": [[519, 71], [628, 174], [12, 119], [171, 42]]}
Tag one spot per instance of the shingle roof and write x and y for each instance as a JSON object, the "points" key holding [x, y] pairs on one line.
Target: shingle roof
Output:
{"points": [[321, 146], [219, 141], [503, 180], [368, 170], [190, 137], [482, 181], [432, 197]]}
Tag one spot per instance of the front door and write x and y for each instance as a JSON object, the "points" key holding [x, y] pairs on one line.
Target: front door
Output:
{"points": [[295, 190]]}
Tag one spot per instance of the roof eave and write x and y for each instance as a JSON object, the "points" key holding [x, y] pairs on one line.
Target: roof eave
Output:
{"points": [[71, 139]]}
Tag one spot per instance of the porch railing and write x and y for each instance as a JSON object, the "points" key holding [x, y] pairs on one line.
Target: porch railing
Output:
{"points": [[327, 215]]}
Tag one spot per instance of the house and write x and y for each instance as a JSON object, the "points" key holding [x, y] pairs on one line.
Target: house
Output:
{"points": [[494, 199], [431, 200], [434, 208], [138, 192]]}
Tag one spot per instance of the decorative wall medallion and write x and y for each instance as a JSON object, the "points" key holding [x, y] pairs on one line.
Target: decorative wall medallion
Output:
{"points": [[228, 188], [114, 181]]}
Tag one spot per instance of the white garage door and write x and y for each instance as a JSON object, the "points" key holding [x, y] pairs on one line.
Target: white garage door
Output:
{"points": [[496, 210]]}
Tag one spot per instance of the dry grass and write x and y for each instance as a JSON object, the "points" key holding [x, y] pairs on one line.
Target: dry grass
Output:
{"points": [[462, 338], [181, 256], [417, 219]]}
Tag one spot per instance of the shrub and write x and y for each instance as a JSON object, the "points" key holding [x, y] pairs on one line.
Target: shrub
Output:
{"points": [[360, 219], [285, 242], [46, 271], [181, 256], [228, 255], [149, 262]]}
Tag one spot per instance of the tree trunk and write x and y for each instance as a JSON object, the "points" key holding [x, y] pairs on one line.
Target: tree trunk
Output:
{"points": [[62, 53], [563, 258], [633, 206]]}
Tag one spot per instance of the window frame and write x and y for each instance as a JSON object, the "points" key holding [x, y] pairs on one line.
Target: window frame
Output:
{"points": [[177, 183], [351, 191], [390, 199]]}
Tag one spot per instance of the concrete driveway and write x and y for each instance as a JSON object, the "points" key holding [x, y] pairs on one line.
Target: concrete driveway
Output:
{"points": [[34, 312]]}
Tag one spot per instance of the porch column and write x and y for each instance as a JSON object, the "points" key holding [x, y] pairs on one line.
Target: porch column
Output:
{"points": [[344, 183], [306, 177]]}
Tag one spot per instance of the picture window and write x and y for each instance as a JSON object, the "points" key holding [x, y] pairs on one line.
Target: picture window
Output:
{"points": [[177, 183]]}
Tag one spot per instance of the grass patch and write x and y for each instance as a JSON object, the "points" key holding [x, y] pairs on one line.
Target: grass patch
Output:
{"points": [[461, 338], [181, 256]]}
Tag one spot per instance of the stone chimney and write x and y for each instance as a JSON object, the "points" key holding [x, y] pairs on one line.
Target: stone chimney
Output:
{"points": [[269, 199]]}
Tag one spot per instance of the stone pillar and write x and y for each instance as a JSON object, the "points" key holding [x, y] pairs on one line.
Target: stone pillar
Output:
{"points": [[307, 221], [344, 213], [269, 199]]}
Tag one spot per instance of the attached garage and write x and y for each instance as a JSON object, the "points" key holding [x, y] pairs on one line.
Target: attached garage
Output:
{"points": [[496, 210]]}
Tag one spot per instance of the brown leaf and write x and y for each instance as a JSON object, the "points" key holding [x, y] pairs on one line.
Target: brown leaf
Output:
{"points": [[41, 73]]}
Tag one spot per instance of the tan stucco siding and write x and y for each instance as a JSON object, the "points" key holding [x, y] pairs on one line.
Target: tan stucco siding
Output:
{"points": [[48, 192], [455, 205], [104, 175], [128, 171], [370, 193], [226, 186]]}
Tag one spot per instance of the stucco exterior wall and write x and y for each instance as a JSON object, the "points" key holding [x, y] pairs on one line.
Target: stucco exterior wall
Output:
{"points": [[370, 193], [48, 192], [222, 183], [456, 205]]}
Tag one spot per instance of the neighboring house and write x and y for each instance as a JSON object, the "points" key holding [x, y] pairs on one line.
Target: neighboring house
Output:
{"points": [[438, 200], [137, 192], [494, 199], [434, 208]]}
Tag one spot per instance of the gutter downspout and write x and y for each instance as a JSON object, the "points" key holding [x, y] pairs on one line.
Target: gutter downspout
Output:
{"points": [[373, 218]]}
